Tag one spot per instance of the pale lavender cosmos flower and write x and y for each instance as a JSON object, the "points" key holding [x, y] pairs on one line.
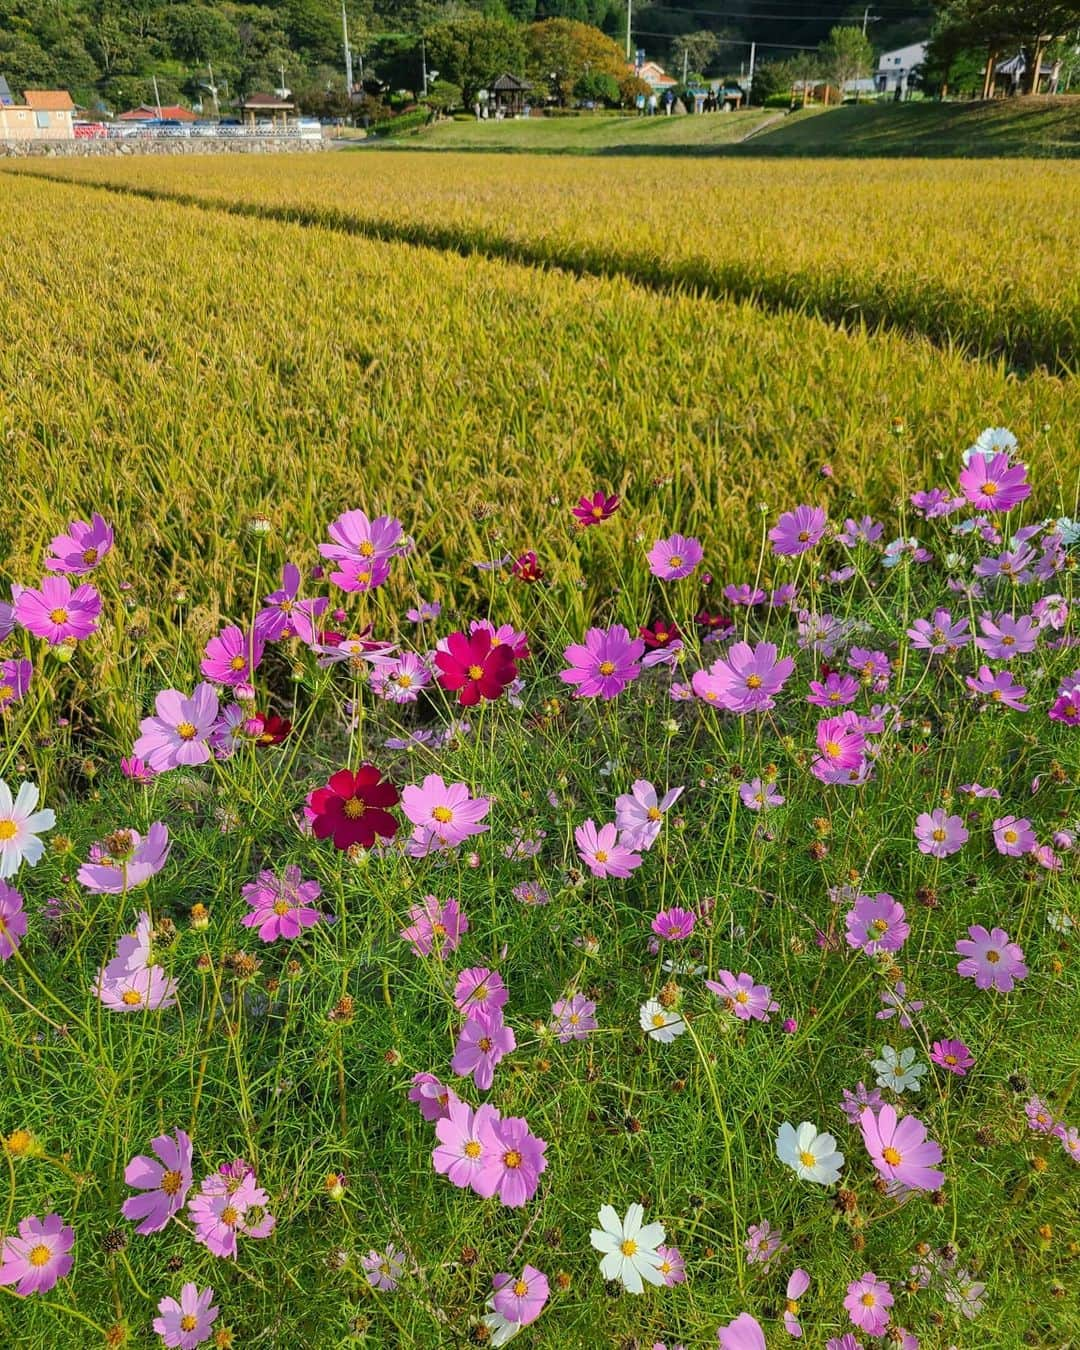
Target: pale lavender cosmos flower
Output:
{"points": [[179, 732], [935, 503], [40, 1256], [798, 530], [941, 634], [897, 1004], [574, 1018], [1013, 836], [229, 1203], [15, 677], [444, 814], [998, 688], [990, 959], [164, 1182], [741, 996], [1040, 1119], [674, 558], [835, 691], [187, 1323], [876, 924], [864, 531], [900, 1149], [479, 989], [424, 611], [1006, 637], [856, 1101], [797, 1285], [382, 1270], [432, 1097], [145, 990], [758, 795], [437, 926], [125, 860], [939, 834], [763, 1244], [639, 814], [868, 1302]]}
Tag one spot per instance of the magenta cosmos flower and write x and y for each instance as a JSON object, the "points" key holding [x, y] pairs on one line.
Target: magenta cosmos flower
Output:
{"points": [[285, 616], [232, 657], [998, 688], [432, 1097], [574, 1018], [474, 666], [868, 1302], [164, 1181], [15, 677], [513, 1161], [362, 539], [939, 834], [186, 1324], [484, 1040], [436, 926], [57, 612], [82, 548], [230, 1202], [953, 1056], [876, 924], [741, 996], [639, 814], [746, 679], [478, 988], [605, 663], [520, 1300], [444, 814], [674, 558], [990, 959], [39, 1256], [798, 530], [1006, 637], [900, 1150], [12, 921], [179, 732], [840, 742], [354, 807], [125, 860], [797, 1285], [459, 1155], [602, 853], [592, 510], [281, 906], [674, 924], [994, 484], [744, 1333], [835, 691], [1013, 836]]}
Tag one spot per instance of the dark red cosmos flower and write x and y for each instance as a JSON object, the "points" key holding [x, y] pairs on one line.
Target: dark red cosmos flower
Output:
{"points": [[527, 568], [592, 510], [713, 623], [662, 634], [268, 728], [474, 669], [353, 808]]}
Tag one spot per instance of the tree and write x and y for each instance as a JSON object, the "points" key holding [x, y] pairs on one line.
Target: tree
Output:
{"points": [[846, 55], [560, 51], [598, 87], [694, 51], [199, 34], [773, 77], [472, 51]]}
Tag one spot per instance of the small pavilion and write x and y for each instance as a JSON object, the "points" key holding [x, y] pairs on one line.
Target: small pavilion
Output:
{"points": [[259, 106], [509, 93]]}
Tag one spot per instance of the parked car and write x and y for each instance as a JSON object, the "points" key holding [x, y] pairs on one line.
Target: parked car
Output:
{"points": [[309, 128], [90, 131]]}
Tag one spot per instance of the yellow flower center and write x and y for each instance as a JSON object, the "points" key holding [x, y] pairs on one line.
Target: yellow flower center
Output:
{"points": [[476, 672], [574, 1019], [282, 906], [8, 829], [229, 1215], [1008, 641], [355, 808], [601, 855], [990, 487], [753, 681], [629, 1247], [742, 996], [59, 616], [804, 535], [878, 927], [472, 1149], [90, 556], [6, 691], [186, 731], [792, 1307], [40, 1255], [654, 813], [520, 1288], [367, 549], [607, 667], [939, 835], [404, 680], [512, 1158], [891, 1156], [868, 1300], [832, 749], [658, 1019], [188, 1322], [237, 663], [171, 1182], [131, 997], [598, 513], [1010, 836], [807, 1159], [993, 957], [951, 1059], [442, 814], [484, 1043]]}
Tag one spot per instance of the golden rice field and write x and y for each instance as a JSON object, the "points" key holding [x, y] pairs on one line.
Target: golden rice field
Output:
{"points": [[979, 253]]}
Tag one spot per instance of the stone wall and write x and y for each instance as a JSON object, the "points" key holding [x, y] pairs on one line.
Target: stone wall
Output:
{"points": [[162, 145]]}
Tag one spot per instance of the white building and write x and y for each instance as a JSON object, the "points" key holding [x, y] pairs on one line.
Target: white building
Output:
{"points": [[896, 68]]}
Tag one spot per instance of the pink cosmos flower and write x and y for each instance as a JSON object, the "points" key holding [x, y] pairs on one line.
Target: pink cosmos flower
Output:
{"points": [[592, 510], [148, 989], [758, 795], [674, 558], [574, 1018], [186, 1324], [1012, 836], [746, 679], [82, 548], [797, 1285], [990, 959], [939, 834], [1070, 1142], [444, 815], [845, 1342], [857, 1100], [15, 677], [602, 853], [285, 616], [1006, 637], [513, 1161], [432, 1097], [436, 926], [763, 1244], [424, 611], [639, 814], [400, 680], [179, 732], [1040, 1119], [132, 950], [58, 613], [868, 1302], [953, 1056], [876, 924], [230, 1202], [363, 546], [12, 921], [840, 742], [604, 664], [1066, 707], [835, 691], [741, 996], [383, 1269], [521, 1300], [674, 924], [939, 634], [994, 484], [7, 619], [125, 860], [479, 989], [998, 688], [798, 530], [281, 906], [745, 595], [39, 1256], [164, 1182], [672, 1266], [482, 1042], [897, 1004], [744, 1333], [900, 1150], [864, 531], [232, 657], [131, 766], [459, 1154]]}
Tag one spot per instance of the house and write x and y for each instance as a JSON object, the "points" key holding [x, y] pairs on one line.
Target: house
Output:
{"points": [[47, 115], [147, 113], [896, 69], [655, 76]]}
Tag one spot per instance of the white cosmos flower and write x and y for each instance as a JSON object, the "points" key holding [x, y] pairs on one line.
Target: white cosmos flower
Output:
{"points": [[811, 1156], [629, 1250], [898, 1070], [20, 826], [500, 1327], [659, 1022], [993, 441]]}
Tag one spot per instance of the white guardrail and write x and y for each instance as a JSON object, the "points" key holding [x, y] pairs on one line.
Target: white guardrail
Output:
{"points": [[127, 131]]}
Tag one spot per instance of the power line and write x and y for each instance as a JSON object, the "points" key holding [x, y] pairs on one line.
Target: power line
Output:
{"points": [[748, 14], [740, 42]]}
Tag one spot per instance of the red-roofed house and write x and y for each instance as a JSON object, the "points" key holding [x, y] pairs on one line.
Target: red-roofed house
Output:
{"points": [[145, 113], [47, 115]]}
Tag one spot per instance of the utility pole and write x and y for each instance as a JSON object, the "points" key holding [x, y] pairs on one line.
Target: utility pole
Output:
{"points": [[685, 62], [865, 19], [213, 90], [157, 98], [750, 77], [629, 18], [348, 52], [423, 64]]}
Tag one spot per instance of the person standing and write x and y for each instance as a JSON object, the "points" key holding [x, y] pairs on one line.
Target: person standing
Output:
{"points": [[652, 105], [639, 103]]}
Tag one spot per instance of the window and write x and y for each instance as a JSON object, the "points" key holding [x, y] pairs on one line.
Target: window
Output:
{"points": [[42, 120]]}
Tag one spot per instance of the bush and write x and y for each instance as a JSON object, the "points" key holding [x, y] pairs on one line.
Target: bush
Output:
{"points": [[598, 87], [406, 122]]}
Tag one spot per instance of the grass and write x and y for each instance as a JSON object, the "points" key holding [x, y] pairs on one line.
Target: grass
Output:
{"points": [[920, 246]]}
